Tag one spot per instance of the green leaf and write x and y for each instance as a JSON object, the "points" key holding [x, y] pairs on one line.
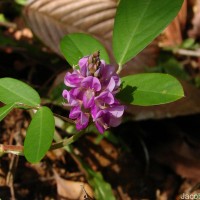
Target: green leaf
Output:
{"points": [[15, 91], [77, 45], [138, 22], [21, 2], [150, 89], [5, 110], [39, 135], [102, 189], [188, 43], [2, 18]]}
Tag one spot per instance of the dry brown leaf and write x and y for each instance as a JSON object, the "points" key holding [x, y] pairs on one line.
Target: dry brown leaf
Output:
{"points": [[173, 32], [73, 190], [51, 20], [176, 146], [195, 31], [184, 161]]}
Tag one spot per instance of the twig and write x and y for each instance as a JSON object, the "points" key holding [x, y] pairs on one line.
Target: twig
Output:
{"points": [[19, 150], [8, 25], [67, 141], [11, 173], [186, 52], [64, 118]]}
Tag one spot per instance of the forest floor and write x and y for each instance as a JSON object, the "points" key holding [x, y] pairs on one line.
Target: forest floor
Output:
{"points": [[156, 159]]}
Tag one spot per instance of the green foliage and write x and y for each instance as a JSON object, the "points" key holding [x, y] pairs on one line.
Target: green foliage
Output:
{"points": [[174, 68], [188, 43], [21, 2], [15, 91], [39, 135], [150, 89], [102, 189], [5, 110], [137, 23], [2, 18], [78, 45]]}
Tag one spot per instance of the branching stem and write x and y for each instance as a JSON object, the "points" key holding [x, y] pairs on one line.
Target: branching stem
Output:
{"points": [[19, 150]]}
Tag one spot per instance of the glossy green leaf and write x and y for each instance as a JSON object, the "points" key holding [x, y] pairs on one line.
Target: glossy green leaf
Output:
{"points": [[39, 135], [138, 22], [15, 91], [150, 89], [5, 110], [77, 45]]}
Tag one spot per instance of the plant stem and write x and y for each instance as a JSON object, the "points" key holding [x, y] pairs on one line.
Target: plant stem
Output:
{"points": [[119, 69], [64, 118], [67, 141], [19, 150], [25, 106], [18, 105]]}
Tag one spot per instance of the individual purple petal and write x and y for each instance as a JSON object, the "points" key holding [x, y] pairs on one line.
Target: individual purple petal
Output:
{"points": [[76, 93], [92, 83], [111, 85], [94, 110], [88, 98], [71, 100], [82, 121], [107, 71], [99, 126], [83, 64], [73, 80], [114, 122], [105, 97], [116, 110], [66, 95], [117, 80], [101, 121], [75, 112]]}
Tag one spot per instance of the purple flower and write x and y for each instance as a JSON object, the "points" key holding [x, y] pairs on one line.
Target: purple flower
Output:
{"points": [[92, 94]]}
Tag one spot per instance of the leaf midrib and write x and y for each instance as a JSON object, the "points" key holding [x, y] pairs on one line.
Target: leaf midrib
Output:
{"points": [[154, 92], [16, 94], [40, 136]]}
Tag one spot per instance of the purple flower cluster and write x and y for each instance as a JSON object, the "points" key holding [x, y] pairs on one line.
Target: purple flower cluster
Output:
{"points": [[92, 94]]}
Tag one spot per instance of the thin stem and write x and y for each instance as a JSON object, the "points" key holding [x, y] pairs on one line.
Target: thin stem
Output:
{"points": [[38, 107], [19, 150], [22, 105], [64, 118], [67, 141], [119, 69]]}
